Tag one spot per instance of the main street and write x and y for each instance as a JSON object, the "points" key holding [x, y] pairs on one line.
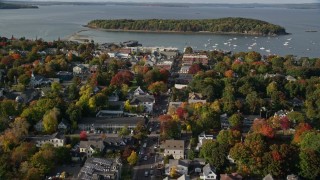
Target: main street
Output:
{"points": [[153, 158]]}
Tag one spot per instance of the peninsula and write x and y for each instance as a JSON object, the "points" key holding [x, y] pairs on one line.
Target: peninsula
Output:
{"points": [[229, 25]]}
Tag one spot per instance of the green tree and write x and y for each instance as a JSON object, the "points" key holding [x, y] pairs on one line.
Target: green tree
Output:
{"points": [[235, 120], [124, 131], [133, 158], [309, 164], [50, 120], [214, 153], [24, 79], [229, 137]]}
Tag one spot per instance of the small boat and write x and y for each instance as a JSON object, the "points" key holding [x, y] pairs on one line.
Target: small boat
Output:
{"points": [[289, 39], [235, 45], [249, 47], [235, 38], [268, 50], [262, 48], [286, 44], [225, 43]]}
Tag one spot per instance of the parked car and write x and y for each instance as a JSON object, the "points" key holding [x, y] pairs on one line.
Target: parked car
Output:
{"points": [[146, 174], [145, 158]]}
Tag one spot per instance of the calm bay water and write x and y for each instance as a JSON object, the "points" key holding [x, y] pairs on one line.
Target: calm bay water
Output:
{"points": [[52, 22]]}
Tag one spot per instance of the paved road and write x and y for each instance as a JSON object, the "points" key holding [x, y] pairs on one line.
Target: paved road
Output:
{"points": [[152, 157]]}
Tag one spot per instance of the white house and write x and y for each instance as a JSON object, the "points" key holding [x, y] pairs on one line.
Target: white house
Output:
{"points": [[147, 101], [56, 139], [208, 173], [37, 80], [174, 148], [90, 147], [80, 69], [202, 138]]}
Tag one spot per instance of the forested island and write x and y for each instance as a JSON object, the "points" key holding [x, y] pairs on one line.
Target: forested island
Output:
{"points": [[15, 6], [223, 25]]}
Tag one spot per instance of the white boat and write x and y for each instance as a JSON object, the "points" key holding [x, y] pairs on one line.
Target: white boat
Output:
{"points": [[268, 50], [249, 47], [235, 45], [262, 48], [289, 39], [286, 44], [235, 38], [225, 43]]}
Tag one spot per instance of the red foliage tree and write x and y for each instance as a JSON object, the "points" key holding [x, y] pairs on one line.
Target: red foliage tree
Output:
{"points": [[261, 126], [194, 69], [228, 74], [267, 131], [16, 56], [164, 74], [300, 129], [83, 135], [181, 112], [285, 123], [122, 77]]}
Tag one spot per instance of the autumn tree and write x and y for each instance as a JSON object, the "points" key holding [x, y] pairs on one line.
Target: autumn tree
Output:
{"points": [[235, 120], [44, 159], [83, 135], [124, 131], [158, 87], [300, 129], [122, 77], [194, 68], [133, 158], [229, 137]]}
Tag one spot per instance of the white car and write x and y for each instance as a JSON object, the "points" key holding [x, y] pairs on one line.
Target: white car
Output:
{"points": [[146, 174], [145, 158]]}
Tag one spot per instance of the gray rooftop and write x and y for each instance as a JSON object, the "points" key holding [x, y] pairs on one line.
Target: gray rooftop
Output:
{"points": [[106, 120]]}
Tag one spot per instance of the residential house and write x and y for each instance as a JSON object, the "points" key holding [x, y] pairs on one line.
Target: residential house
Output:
{"points": [[208, 173], [292, 177], [80, 69], [101, 168], [147, 101], [196, 98], [94, 69], [185, 69], [184, 177], [195, 58], [180, 86], [39, 126], [181, 166], [37, 80], [90, 147], [57, 139], [169, 54], [268, 177], [113, 97], [197, 165], [249, 119], [175, 148], [64, 75], [233, 176], [202, 138], [224, 121], [64, 125]]}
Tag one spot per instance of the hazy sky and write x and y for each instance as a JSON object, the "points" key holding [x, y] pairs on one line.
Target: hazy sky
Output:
{"points": [[196, 1]]}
